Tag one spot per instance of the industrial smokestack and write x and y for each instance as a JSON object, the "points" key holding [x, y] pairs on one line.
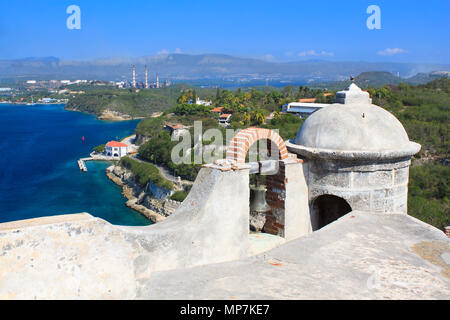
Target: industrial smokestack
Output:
{"points": [[157, 81], [146, 77], [134, 76]]}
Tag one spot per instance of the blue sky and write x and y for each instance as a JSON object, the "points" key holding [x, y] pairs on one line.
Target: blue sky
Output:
{"points": [[283, 30]]}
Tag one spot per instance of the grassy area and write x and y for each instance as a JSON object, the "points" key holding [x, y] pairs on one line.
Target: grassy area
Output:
{"points": [[144, 173], [179, 196]]}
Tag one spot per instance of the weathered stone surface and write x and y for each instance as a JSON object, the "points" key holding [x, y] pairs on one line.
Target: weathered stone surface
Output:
{"points": [[370, 180], [332, 179], [360, 256], [401, 176], [353, 129], [82, 257]]}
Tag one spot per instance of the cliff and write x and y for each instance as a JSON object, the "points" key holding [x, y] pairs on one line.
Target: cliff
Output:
{"points": [[139, 199]]}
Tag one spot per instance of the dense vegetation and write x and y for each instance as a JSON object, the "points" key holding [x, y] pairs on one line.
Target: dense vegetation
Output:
{"points": [[99, 148], [158, 150], [423, 110], [179, 196], [136, 103], [144, 173], [250, 108]]}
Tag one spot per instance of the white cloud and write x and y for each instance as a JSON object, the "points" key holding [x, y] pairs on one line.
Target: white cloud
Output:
{"points": [[315, 53], [391, 51], [163, 52], [269, 57], [178, 50]]}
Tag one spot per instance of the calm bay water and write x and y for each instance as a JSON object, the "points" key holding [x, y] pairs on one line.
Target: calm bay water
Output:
{"points": [[39, 175]]}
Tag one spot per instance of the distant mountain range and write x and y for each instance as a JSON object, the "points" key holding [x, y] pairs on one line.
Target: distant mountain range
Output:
{"points": [[205, 66], [381, 78]]}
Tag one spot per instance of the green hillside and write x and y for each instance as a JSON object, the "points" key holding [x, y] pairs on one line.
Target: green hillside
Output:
{"points": [[377, 79], [132, 102], [424, 111]]}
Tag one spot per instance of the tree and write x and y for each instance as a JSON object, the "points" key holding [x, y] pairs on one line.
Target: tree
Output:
{"points": [[194, 96], [100, 148], [218, 94], [288, 91], [259, 117], [276, 115], [246, 118]]}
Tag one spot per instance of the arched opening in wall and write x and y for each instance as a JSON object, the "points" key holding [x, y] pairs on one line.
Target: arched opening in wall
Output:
{"points": [[260, 211], [263, 149], [328, 208], [259, 208]]}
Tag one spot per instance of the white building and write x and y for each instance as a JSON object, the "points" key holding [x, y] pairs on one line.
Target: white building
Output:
{"points": [[303, 108], [225, 118], [116, 149], [47, 100], [203, 102]]}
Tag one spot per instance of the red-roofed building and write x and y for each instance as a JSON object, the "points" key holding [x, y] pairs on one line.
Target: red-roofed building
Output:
{"points": [[116, 149], [175, 129], [310, 100], [173, 126], [225, 118], [217, 110]]}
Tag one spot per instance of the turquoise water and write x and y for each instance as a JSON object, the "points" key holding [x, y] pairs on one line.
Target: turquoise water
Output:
{"points": [[39, 175]]}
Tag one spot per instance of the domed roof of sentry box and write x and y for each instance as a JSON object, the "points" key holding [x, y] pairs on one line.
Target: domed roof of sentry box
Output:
{"points": [[352, 128]]}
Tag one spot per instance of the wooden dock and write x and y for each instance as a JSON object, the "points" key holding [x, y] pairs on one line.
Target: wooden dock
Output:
{"points": [[82, 165]]}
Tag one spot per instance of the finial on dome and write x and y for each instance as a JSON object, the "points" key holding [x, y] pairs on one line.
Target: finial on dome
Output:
{"points": [[353, 94]]}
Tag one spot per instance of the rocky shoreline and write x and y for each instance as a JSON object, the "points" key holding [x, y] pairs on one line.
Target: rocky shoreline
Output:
{"points": [[116, 116], [153, 209], [108, 115]]}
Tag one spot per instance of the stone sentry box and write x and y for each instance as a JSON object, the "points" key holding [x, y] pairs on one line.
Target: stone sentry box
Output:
{"points": [[366, 186], [358, 152]]}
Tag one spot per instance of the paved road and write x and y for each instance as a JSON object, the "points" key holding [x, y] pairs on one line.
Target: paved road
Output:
{"points": [[130, 142], [164, 172]]}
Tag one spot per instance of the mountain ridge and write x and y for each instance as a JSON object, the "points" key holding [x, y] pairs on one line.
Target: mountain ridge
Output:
{"points": [[180, 66]]}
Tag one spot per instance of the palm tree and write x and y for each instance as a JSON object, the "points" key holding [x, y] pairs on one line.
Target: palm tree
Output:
{"points": [[277, 115]]}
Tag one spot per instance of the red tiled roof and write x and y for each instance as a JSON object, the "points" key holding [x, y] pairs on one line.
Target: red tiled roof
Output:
{"points": [[174, 125], [307, 100], [225, 115], [116, 144], [218, 109]]}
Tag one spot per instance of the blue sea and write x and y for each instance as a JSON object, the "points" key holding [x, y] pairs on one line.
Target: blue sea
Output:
{"points": [[39, 175]]}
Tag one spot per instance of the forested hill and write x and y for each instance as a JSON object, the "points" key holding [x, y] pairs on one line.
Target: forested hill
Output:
{"points": [[135, 103], [376, 79], [424, 111]]}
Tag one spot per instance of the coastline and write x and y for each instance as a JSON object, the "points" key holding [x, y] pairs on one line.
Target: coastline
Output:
{"points": [[107, 115], [163, 208], [51, 171]]}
